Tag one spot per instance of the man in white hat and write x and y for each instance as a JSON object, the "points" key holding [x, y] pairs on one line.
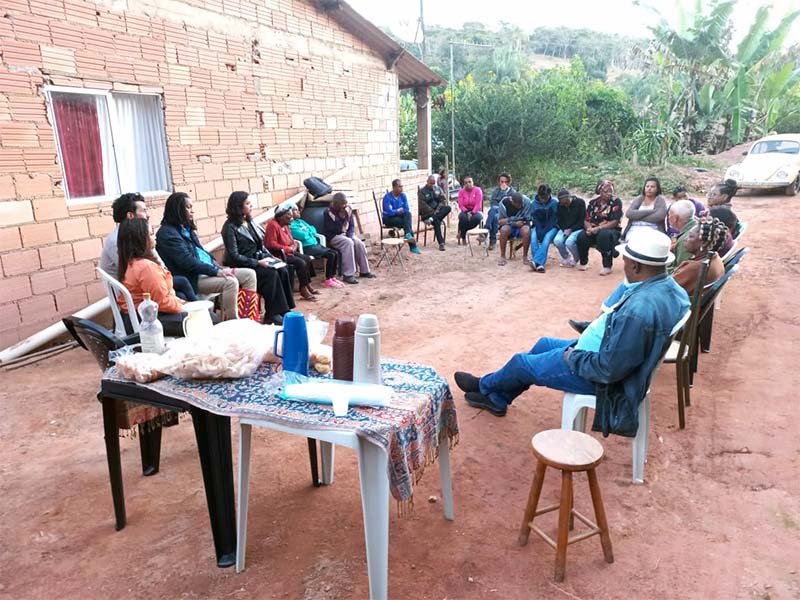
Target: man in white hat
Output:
{"points": [[616, 354]]}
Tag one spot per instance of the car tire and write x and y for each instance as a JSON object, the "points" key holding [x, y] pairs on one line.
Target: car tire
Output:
{"points": [[793, 188]]}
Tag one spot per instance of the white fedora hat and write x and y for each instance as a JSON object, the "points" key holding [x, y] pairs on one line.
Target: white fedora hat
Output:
{"points": [[647, 246]]}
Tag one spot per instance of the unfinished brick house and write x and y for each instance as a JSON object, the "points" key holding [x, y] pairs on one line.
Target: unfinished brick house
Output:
{"points": [[204, 96]]}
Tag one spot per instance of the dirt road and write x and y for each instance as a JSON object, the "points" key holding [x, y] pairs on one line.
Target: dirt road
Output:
{"points": [[718, 517]]}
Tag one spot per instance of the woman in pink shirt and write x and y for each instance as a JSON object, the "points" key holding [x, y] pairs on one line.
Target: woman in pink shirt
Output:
{"points": [[470, 203]]}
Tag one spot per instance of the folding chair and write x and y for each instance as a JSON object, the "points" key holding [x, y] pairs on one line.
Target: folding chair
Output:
{"points": [[482, 235], [393, 231], [680, 352]]}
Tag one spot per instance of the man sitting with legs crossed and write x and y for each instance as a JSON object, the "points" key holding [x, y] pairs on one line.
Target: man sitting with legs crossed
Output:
{"points": [[614, 357]]}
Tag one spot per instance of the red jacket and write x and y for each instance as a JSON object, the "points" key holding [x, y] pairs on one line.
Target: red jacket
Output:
{"points": [[279, 238]]}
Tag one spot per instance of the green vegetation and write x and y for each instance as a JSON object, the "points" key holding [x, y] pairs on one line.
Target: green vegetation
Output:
{"points": [[684, 90]]}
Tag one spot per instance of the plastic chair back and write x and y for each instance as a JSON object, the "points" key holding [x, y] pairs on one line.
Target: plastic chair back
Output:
{"points": [[92, 337], [729, 254], [114, 287], [734, 260], [689, 335], [740, 230]]}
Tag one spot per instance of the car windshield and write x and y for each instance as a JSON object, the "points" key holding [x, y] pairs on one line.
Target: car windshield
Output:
{"points": [[782, 146]]}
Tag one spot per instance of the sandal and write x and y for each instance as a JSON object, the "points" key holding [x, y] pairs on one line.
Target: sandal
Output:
{"points": [[308, 296], [501, 262]]}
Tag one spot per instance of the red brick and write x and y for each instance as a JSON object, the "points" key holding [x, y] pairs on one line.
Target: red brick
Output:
{"points": [[222, 189], [15, 212], [72, 229], [28, 108], [81, 273], [7, 191], [48, 281], [53, 9], [14, 288], [19, 135], [33, 28], [21, 54], [56, 256], [32, 186], [9, 316], [81, 11], [87, 249], [47, 209], [38, 234], [38, 308], [9, 239], [71, 299], [16, 83], [58, 60], [19, 263], [100, 226]]}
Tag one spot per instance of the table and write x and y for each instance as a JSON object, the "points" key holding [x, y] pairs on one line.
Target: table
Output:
{"points": [[400, 440]]}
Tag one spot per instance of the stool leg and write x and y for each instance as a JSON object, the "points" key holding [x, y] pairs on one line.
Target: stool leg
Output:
{"points": [[600, 515], [533, 502], [564, 511]]}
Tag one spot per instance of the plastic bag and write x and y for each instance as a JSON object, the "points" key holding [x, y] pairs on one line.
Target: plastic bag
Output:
{"points": [[341, 394], [231, 349], [142, 367], [320, 356]]}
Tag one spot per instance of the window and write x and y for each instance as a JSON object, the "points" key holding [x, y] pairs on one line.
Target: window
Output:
{"points": [[783, 146], [109, 143]]}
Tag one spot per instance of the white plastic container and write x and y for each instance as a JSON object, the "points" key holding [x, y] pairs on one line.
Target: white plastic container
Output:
{"points": [[367, 351]]}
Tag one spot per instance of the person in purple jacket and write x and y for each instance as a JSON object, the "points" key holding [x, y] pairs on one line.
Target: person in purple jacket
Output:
{"points": [[397, 214], [545, 226]]}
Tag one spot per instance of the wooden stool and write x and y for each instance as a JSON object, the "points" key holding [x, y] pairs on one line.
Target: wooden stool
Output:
{"points": [[567, 451]]}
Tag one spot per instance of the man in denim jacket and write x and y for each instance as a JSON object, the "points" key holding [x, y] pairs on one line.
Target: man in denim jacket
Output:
{"points": [[613, 358]]}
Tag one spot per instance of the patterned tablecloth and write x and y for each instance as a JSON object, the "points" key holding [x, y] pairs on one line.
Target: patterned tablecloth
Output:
{"points": [[420, 416]]}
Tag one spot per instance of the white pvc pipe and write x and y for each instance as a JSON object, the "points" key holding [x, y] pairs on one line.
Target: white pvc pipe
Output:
{"points": [[29, 344]]}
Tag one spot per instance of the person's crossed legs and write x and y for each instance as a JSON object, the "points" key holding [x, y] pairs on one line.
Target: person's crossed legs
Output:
{"points": [[544, 366]]}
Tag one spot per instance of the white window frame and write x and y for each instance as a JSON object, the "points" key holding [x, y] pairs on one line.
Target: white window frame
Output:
{"points": [[113, 125]]}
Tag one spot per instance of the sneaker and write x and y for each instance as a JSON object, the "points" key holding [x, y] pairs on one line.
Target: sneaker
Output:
{"points": [[415, 250], [429, 221], [478, 400], [368, 275], [605, 271], [583, 267], [567, 262], [350, 279], [491, 247], [540, 268], [408, 236], [332, 283], [337, 282], [441, 247], [467, 382]]}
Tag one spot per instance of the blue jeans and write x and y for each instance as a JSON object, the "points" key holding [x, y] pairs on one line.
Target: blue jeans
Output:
{"points": [[544, 365], [492, 223], [568, 246], [539, 250]]}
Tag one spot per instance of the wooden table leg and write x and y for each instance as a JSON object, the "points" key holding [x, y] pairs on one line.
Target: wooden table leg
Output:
{"points": [[600, 516], [213, 434], [372, 470], [112, 456], [533, 502], [564, 512]]}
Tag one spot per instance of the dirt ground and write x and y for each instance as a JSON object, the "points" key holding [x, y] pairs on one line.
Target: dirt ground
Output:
{"points": [[718, 516]]}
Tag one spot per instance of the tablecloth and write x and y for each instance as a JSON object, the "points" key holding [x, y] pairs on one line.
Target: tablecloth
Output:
{"points": [[420, 416]]}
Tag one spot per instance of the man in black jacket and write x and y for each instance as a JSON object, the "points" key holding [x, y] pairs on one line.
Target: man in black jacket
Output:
{"points": [[433, 207], [181, 251]]}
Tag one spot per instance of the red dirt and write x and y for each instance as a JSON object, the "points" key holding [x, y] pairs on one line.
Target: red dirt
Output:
{"points": [[718, 516]]}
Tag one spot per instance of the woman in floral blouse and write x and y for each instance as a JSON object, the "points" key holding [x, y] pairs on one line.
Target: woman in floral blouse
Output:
{"points": [[602, 227]]}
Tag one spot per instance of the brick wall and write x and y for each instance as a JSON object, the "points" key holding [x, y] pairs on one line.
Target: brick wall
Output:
{"points": [[257, 95]]}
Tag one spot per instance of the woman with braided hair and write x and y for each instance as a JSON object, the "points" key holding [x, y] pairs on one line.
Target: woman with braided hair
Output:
{"points": [[706, 239]]}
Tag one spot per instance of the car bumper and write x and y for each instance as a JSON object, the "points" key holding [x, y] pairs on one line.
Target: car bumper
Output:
{"points": [[762, 184]]}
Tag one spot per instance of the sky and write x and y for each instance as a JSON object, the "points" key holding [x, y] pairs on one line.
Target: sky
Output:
{"points": [[627, 17]]}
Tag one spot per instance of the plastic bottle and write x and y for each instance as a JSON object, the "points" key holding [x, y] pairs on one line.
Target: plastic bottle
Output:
{"points": [[151, 332], [344, 337], [367, 351]]}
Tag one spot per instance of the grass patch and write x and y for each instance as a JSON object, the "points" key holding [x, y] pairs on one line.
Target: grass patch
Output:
{"points": [[581, 176]]}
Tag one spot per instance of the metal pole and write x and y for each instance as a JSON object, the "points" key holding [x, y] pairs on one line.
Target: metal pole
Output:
{"points": [[452, 112], [422, 28]]}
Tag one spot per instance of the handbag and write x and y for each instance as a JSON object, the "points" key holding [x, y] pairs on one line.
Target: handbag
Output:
{"points": [[248, 305]]}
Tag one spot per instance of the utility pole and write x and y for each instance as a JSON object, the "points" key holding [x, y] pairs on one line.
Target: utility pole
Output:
{"points": [[422, 28]]}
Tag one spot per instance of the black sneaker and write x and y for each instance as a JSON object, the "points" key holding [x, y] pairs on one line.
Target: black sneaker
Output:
{"points": [[478, 400], [441, 247], [369, 275], [578, 326], [467, 382], [540, 268], [350, 279]]}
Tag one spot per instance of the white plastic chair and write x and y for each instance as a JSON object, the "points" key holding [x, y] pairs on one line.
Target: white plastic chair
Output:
{"points": [[114, 287], [573, 412]]}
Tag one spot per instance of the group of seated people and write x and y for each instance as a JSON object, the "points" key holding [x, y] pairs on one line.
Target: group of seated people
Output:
{"points": [[173, 267], [571, 224]]}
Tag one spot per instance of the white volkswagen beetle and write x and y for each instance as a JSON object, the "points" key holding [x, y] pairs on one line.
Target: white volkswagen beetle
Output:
{"points": [[771, 162]]}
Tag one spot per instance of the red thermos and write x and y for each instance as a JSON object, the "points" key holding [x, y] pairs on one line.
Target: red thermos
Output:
{"points": [[344, 336]]}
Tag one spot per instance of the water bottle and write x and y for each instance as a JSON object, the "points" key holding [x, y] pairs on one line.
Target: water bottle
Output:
{"points": [[151, 332], [367, 351]]}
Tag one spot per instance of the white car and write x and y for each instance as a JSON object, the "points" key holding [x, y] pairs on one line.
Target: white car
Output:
{"points": [[771, 162]]}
